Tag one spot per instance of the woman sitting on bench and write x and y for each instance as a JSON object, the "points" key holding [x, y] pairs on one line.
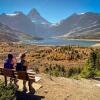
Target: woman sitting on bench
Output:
{"points": [[10, 63], [22, 66]]}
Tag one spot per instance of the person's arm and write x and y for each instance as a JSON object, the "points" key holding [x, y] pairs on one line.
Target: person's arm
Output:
{"points": [[14, 62], [26, 64]]}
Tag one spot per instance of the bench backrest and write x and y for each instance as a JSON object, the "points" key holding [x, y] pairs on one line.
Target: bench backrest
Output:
{"points": [[22, 75], [18, 74], [8, 72]]}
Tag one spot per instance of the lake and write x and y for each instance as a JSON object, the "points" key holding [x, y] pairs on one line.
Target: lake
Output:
{"points": [[57, 42]]}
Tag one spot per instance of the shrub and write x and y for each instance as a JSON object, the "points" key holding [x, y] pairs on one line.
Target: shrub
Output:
{"points": [[88, 71], [59, 70], [56, 56], [73, 71], [92, 65], [7, 92]]}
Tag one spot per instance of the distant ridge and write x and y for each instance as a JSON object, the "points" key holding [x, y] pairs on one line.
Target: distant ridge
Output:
{"points": [[18, 21], [80, 25], [10, 35]]}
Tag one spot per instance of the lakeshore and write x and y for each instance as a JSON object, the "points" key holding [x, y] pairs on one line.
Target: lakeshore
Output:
{"points": [[96, 45], [62, 42], [97, 40]]}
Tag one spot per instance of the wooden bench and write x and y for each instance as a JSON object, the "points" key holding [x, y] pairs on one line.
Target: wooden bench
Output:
{"points": [[22, 75], [15, 75], [8, 73]]}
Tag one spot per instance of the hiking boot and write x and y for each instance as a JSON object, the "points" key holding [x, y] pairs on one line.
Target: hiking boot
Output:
{"points": [[24, 89]]}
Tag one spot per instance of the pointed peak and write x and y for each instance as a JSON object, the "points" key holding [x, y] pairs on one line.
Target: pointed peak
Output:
{"points": [[33, 11]]}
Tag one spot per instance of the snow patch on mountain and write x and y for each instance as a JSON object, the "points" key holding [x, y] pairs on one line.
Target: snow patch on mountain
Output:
{"points": [[80, 13], [13, 14]]}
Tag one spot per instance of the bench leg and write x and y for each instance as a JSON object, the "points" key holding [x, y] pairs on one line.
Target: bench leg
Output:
{"points": [[15, 83], [11, 80], [5, 77], [29, 84]]}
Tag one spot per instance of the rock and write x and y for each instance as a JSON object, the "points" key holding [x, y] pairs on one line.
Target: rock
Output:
{"points": [[46, 91]]}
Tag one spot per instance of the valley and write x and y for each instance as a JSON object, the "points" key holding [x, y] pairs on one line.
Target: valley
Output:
{"points": [[42, 57]]}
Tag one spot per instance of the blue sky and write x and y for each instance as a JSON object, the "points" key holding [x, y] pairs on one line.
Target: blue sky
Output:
{"points": [[52, 10]]}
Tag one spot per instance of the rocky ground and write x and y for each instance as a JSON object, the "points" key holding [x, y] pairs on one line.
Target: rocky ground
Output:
{"points": [[59, 88]]}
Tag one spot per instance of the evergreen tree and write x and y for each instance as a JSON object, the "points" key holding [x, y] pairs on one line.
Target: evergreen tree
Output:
{"points": [[90, 66]]}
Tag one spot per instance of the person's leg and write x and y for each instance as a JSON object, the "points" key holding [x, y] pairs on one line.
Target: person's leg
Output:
{"points": [[31, 89], [24, 86]]}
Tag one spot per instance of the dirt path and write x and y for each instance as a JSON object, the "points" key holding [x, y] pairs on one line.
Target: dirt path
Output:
{"points": [[58, 88]]}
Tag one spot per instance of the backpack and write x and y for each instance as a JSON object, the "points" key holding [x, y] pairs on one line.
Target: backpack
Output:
{"points": [[20, 66]]}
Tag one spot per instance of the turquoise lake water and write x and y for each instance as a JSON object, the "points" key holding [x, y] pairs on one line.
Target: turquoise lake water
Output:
{"points": [[54, 41]]}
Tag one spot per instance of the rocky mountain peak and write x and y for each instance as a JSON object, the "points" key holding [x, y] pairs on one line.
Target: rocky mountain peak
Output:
{"points": [[33, 12], [36, 17]]}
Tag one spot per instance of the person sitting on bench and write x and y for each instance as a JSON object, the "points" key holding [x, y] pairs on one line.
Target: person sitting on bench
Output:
{"points": [[22, 66], [10, 63]]}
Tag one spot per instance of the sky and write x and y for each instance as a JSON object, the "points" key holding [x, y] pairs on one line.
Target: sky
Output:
{"points": [[52, 10]]}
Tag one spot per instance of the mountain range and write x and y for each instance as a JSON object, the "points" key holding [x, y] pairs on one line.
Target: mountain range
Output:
{"points": [[18, 24]]}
